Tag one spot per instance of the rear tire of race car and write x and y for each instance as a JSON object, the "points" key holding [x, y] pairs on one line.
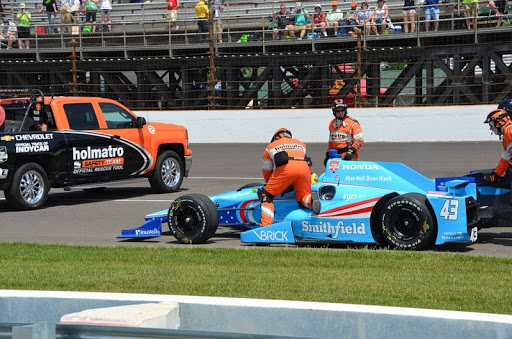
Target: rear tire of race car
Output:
{"points": [[168, 173], [29, 188], [406, 222], [193, 219]]}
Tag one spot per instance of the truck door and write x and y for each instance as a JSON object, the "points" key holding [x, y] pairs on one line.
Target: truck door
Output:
{"points": [[91, 154], [123, 124]]}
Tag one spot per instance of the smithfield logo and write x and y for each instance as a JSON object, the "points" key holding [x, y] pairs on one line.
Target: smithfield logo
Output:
{"points": [[334, 230], [272, 235], [359, 167]]}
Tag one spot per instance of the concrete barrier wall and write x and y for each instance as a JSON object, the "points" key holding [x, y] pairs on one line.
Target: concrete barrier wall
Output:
{"points": [[268, 317], [396, 124]]}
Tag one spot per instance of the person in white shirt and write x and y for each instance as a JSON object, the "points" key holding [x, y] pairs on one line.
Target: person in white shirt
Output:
{"points": [[8, 31]]}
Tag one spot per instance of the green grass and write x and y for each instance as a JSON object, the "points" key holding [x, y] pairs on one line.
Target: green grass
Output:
{"points": [[371, 277]]}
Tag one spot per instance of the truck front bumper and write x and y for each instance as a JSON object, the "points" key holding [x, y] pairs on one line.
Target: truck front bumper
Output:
{"points": [[188, 164]]}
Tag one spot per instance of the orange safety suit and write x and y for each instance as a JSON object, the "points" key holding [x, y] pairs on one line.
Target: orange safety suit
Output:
{"points": [[296, 173], [506, 156], [344, 133]]}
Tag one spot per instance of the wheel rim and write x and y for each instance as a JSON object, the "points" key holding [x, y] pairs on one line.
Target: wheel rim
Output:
{"points": [[170, 172], [406, 225], [187, 221], [32, 187]]}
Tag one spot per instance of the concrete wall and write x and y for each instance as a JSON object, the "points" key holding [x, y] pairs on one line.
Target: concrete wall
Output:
{"points": [[400, 124], [268, 317]]}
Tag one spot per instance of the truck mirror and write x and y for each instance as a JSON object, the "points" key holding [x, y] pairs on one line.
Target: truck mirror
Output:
{"points": [[140, 122]]}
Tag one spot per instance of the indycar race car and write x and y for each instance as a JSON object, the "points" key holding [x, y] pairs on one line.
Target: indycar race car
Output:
{"points": [[382, 203]]}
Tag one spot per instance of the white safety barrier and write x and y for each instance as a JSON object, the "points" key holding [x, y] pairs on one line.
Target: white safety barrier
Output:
{"points": [[267, 317], [394, 124]]}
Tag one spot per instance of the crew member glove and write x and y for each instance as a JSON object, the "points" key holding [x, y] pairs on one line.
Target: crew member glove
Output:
{"points": [[350, 153], [342, 150]]}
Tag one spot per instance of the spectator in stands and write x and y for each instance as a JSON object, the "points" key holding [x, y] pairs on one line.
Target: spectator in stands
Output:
{"points": [[66, 17], [106, 14], [51, 12], [334, 17], [381, 15], [301, 17], [431, 14], [409, 14], [498, 7], [24, 17], [218, 7], [470, 12], [91, 7], [283, 20], [172, 9], [8, 31], [350, 20], [365, 17], [202, 13], [76, 7], [319, 20]]}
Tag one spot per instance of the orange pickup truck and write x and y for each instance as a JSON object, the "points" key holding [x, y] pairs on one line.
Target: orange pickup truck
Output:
{"points": [[83, 142]]}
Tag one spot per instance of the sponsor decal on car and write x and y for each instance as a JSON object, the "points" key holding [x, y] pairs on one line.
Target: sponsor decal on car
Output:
{"points": [[97, 159], [272, 236], [154, 231], [28, 147], [3, 154], [151, 129], [334, 165], [368, 178], [3, 173], [7, 138], [359, 167], [335, 230], [30, 137]]}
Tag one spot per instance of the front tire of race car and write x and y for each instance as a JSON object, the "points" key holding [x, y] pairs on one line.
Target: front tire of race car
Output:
{"points": [[168, 173], [29, 188], [406, 222], [193, 219]]}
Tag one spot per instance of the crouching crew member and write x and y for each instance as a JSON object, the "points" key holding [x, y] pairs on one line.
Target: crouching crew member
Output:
{"points": [[345, 133], [500, 124], [285, 164]]}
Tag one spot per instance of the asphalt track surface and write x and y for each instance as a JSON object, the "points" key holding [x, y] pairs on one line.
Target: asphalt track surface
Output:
{"points": [[84, 218]]}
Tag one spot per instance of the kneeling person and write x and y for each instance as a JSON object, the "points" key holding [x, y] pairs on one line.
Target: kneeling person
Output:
{"points": [[285, 164]]}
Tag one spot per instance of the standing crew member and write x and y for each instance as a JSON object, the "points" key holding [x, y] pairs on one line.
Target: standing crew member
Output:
{"points": [[501, 125], [345, 133], [285, 164]]}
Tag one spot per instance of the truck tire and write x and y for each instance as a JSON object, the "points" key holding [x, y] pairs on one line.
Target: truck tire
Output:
{"points": [[168, 173], [193, 219], [29, 188], [406, 222]]}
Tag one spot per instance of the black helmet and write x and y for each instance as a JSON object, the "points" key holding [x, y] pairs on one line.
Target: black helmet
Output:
{"points": [[340, 106], [281, 133], [506, 105]]}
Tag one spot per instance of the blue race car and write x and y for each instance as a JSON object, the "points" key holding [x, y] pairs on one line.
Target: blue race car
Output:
{"points": [[383, 203]]}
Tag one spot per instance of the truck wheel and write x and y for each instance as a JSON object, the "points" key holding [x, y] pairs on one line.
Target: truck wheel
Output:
{"points": [[193, 219], [29, 187], [406, 222], [168, 173]]}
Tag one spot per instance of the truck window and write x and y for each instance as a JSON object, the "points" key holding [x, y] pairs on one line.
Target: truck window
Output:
{"points": [[81, 116], [117, 117], [15, 113]]}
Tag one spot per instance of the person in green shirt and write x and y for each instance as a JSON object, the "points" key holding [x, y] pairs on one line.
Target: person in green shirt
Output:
{"points": [[24, 17], [334, 17]]}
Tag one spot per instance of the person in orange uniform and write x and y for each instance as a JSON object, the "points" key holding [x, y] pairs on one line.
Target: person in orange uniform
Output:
{"points": [[500, 124], [345, 133], [285, 164]]}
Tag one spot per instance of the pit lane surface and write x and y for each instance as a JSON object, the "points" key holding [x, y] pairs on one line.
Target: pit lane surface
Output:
{"points": [[84, 218]]}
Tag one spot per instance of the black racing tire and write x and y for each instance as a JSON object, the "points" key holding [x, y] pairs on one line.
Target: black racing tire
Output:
{"points": [[253, 184], [168, 173], [193, 219], [406, 222], [29, 188]]}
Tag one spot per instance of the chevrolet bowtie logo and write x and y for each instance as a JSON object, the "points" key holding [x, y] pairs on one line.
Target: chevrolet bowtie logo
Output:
{"points": [[7, 138]]}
